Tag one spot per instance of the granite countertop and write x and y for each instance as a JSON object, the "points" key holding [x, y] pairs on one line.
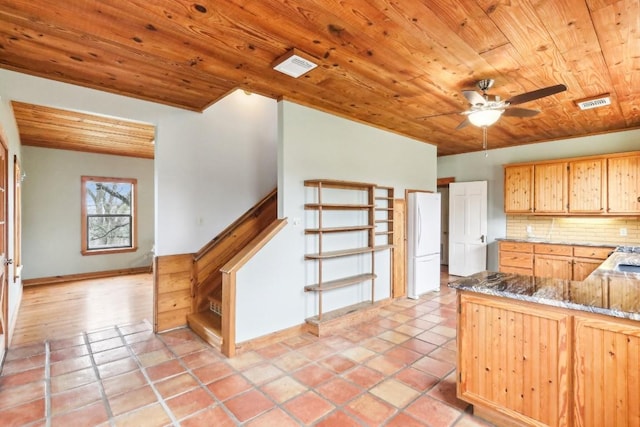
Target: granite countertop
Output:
{"points": [[556, 242], [606, 291]]}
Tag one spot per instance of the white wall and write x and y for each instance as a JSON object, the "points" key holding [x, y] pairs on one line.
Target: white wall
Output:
{"points": [[315, 145], [477, 167], [51, 211]]}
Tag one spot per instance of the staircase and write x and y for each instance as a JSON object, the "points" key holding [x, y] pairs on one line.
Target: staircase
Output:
{"points": [[207, 300]]}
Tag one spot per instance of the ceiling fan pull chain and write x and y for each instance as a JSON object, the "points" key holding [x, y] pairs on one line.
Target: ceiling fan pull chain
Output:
{"points": [[484, 141]]}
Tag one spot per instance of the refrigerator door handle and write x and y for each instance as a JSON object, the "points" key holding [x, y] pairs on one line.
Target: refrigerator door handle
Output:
{"points": [[419, 227]]}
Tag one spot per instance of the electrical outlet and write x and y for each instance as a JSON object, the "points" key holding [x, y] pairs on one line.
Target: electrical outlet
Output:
{"points": [[623, 231], [529, 229]]}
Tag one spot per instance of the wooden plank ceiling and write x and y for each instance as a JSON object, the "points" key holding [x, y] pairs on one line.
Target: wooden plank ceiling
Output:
{"points": [[71, 130], [397, 65]]}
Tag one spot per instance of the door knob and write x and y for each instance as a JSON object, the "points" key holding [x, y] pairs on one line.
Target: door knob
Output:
{"points": [[482, 238]]}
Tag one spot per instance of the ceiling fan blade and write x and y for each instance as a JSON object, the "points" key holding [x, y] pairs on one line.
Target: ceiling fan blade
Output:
{"points": [[474, 97], [463, 123], [536, 94], [520, 112], [436, 115]]}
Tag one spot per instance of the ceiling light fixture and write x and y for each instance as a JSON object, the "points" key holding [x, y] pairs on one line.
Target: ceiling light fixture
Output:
{"points": [[484, 118], [294, 63]]}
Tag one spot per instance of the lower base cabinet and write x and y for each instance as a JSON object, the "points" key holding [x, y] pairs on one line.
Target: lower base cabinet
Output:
{"points": [[513, 359], [521, 363], [607, 373]]}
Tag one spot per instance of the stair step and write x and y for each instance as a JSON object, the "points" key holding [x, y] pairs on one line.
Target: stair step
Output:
{"points": [[208, 326]]}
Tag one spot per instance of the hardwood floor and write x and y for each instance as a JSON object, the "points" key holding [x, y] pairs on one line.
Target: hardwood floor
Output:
{"points": [[63, 310]]}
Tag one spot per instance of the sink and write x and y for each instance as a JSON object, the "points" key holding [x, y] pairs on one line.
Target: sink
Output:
{"points": [[628, 268]]}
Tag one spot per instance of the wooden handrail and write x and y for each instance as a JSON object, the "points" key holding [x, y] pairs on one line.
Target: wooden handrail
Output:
{"points": [[229, 271], [230, 229]]}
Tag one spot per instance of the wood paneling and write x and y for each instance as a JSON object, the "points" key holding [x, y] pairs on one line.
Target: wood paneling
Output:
{"points": [[399, 249], [173, 291], [607, 373], [514, 358], [395, 65], [70, 130]]}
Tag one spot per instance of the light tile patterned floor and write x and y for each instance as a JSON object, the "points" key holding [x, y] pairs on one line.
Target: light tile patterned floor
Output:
{"points": [[396, 370]]}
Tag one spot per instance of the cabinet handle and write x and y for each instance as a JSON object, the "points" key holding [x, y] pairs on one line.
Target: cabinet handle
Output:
{"points": [[638, 199]]}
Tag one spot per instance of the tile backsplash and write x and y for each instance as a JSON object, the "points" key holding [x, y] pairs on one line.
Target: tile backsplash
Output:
{"points": [[576, 229]]}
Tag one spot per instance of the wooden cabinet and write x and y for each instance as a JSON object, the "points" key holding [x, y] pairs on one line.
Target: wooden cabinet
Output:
{"points": [[553, 266], [587, 189], [513, 359], [595, 185], [607, 372], [551, 260], [344, 226], [516, 257], [518, 189], [550, 188], [623, 187], [522, 363]]}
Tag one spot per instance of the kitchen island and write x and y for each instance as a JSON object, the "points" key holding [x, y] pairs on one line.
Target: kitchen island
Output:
{"points": [[541, 351]]}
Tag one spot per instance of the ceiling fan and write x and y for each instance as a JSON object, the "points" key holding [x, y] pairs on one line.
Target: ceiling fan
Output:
{"points": [[484, 109]]}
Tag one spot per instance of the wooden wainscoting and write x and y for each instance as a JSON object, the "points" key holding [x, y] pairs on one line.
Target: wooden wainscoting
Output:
{"points": [[173, 291]]}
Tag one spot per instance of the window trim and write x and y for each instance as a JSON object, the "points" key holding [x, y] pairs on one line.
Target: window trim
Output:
{"points": [[83, 219]]}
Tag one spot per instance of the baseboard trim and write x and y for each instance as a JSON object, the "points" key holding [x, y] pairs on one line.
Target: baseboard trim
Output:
{"points": [[271, 338], [85, 276]]}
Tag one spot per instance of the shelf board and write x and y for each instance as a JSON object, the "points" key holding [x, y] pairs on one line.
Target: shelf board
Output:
{"points": [[382, 233], [329, 183], [337, 229], [384, 198], [347, 252], [383, 220], [336, 206], [340, 283], [384, 209]]}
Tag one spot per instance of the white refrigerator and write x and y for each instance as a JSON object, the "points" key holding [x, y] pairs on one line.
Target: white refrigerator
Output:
{"points": [[423, 243]]}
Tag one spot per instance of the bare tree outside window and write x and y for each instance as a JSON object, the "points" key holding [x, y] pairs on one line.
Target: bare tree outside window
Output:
{"points": [[108, 209]]}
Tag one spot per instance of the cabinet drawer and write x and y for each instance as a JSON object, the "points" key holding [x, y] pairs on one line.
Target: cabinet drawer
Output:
{"points": [[516, 259], [516, 270], [553, 249], [516, 247], [591, 252]]}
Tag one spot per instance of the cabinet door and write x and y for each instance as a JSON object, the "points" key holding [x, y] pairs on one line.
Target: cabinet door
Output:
{"points": [[607, 372], [553, 266], [513, 358], [584, 267], [518, 189], [587, 186], [623, 177], [550, 188]]}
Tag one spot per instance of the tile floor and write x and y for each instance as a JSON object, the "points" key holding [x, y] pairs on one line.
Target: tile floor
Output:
{"points": [[396, 370]]}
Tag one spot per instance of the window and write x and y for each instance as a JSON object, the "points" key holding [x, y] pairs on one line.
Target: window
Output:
{"points": [[108, 215]]}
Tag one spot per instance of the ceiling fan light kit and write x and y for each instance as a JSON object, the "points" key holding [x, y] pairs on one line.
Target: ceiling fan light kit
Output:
{"points": [[484, 118]]}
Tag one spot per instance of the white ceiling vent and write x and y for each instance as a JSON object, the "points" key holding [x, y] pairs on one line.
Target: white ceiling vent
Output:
{"points": [[294, 64], [598, 101]]}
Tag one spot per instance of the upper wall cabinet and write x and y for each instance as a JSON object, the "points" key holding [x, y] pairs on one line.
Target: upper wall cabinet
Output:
{"points": [[518, 189], [550, 188], [587, 189], [595, 185], [623, 185]]}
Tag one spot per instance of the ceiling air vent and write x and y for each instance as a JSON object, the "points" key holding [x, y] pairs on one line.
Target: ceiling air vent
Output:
{"points": [[595, 102], [294, 63]]}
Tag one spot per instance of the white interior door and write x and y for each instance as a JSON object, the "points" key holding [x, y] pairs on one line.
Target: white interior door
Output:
{"points": [[467, 227]]}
